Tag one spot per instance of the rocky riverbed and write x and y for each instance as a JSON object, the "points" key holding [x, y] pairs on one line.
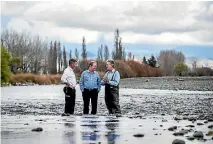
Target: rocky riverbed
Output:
{"points": [[151, 113], [169, 83]]}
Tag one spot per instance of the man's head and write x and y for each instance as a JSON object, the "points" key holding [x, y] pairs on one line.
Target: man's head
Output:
{"points": [[110, 64], [92, 66], [73, 63]]}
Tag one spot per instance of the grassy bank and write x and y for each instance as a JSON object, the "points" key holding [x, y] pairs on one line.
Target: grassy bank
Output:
{"points": [[127, 69]]}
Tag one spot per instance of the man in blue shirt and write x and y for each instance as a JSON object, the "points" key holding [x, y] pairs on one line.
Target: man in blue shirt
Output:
{"points": [[111, 81], [90, 85]]}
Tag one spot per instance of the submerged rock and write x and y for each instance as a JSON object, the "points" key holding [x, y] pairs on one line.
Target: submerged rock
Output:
{"points": [[178, 141]]}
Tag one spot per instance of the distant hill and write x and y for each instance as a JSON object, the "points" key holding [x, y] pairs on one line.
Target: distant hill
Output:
{"points": [[201, 62]]}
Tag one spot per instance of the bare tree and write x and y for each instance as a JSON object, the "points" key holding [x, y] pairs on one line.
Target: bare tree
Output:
{"points": [[59, 56], [106, 53], [168, 59], [84, 50], [76, 54], [70, 53], [65, 57]]}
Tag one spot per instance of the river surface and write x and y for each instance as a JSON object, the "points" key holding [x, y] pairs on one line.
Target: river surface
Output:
{"points": [[144, 111]]}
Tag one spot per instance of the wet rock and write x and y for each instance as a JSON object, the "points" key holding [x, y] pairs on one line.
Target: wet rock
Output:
{"points": [[205, 122], [26, 124], [210, 126], [192, 119], [172, 128], [185, 118], [199, 124], [163, 114], [178, 141], [39, 129], [154, 129], [138, 135], [140, 125], [210, 120], [146, 80], [65, 114], [210, 133], [212, 138], [164, 120], [137, 113], [180, 133], [198, 134], [190, 138], [156, 134], [177, 118], [161, 125], [191, 126]]}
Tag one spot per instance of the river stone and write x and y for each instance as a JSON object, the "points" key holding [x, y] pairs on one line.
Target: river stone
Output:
{"points": [[39, 129], [210, 133], [190, 138], [172, 128], [191, 126], [198, 134], [199, 124], [180, 133], [138, 135], [210, 126], [178, 141]]}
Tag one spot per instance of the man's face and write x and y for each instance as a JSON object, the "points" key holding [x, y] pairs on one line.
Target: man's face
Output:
{"points": [[74, 65], [93, 67], [109, 66]]}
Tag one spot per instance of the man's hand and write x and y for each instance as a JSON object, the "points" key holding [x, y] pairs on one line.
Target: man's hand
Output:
{"points": [[71, 86], [105, 80]]}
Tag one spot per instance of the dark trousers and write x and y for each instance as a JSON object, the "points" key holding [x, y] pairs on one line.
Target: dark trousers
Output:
{"points": [[112, 99], [70, 95], [87, 95]]}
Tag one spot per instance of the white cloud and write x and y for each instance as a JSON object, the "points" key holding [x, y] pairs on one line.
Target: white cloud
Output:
{"points": [[138, 21], [52, 31]]}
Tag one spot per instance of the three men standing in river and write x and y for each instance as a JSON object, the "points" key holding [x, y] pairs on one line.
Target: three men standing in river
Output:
{"points": [[90, 85]]}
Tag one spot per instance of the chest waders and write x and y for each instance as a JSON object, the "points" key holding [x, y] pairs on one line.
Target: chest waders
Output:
{"points": [[112, 98]]}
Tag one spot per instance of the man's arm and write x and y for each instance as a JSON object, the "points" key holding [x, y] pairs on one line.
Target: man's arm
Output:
{"points": [[99, 82], [116, 79], [102, 81], [81, 82], [64, 77]]}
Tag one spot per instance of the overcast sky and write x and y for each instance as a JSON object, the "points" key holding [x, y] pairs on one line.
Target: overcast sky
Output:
{"points": [[167, 24]]}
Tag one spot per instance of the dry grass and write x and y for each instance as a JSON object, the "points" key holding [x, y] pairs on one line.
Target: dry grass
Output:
{"points": [[127, 69]]}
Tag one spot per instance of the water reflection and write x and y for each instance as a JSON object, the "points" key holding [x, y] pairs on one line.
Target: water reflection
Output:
{"points": [[90, 128], [112, 126], [69, 133]]}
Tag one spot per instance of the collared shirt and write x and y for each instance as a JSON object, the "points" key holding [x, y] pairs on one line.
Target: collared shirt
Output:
{"points": [[112, 81], [68, 76], [90, 80]]}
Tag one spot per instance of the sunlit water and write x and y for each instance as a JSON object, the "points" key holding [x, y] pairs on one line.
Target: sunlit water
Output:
{"points": [[25, 108]]}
